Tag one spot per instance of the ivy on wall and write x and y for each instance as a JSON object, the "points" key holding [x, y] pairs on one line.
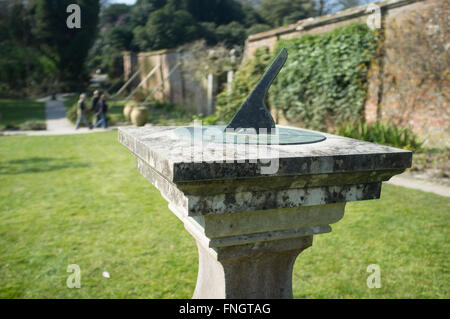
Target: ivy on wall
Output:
{"points": [[324, 81]]}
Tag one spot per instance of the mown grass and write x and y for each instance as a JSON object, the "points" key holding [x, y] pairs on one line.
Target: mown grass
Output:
{"points": [[15, 113], [79, 200]]}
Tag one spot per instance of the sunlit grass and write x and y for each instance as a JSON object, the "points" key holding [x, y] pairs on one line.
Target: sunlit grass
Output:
{"points": [[79, 200]]}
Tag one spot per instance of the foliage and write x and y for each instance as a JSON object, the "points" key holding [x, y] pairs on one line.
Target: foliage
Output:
{"points": [[71, 113], [324, 79], [24, 69], [167, 29], [114, 114], [34, 126], [20, 113], [141, 10], [67, 48], [115, 14], [232, 33], [199, 60], [164, 113], [382, 133], [179, 22], [244, 81], [434, 161], [282, 12], [116, 35], [257, 28], [206, 120], [78, 199]]}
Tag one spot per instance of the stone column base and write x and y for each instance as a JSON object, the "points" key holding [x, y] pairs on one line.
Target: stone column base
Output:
{"points": [[260, 270]]}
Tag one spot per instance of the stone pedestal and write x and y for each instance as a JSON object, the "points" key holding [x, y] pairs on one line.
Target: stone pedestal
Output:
{"points": [[249, 226]]}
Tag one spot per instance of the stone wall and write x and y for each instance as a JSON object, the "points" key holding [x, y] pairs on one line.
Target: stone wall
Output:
{"points": [[430, 119], [180, 88]]}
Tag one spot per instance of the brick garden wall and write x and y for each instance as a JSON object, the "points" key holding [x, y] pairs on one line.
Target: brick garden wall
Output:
{"points": [[180, 88], [426, 110]]}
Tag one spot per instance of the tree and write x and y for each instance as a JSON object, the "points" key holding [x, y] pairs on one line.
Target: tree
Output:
{"points": [[218, 11], [168, 29], [282, 12], [115, 14], [67, 48], [23, 69], [141, 10], [232, 33], [118, 37]]}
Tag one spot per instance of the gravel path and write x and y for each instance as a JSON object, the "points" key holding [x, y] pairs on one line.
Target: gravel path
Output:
{"points": [[56, 116], [56, 121], [407, 181]]}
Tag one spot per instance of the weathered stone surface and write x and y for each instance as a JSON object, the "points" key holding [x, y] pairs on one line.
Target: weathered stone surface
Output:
{"points": [[250, 226], [174, 158]]}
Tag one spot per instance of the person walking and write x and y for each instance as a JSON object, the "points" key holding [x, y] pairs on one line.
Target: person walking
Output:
{"points": [[94, 107], [81, 112], [102, 108]]}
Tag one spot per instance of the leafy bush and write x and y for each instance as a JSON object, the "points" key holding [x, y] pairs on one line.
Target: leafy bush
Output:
{"points": [[33, 126], [164, 113], [244, 81], [324, 79], [206, 120], [71, 113], [382, 133]]}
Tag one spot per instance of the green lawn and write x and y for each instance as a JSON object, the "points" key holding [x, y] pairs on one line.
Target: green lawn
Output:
{"points": [[79, 200], [15, 113]]}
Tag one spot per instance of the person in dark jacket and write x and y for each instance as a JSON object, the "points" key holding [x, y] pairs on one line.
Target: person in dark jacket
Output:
{"points": [[102, 108], [94, 109], [81, 112]]}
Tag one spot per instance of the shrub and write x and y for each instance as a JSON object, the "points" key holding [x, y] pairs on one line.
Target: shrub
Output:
{"points": [[164, 113], [71, 113], [382, 133], [324, 79], [33, 126], [206, 120]]}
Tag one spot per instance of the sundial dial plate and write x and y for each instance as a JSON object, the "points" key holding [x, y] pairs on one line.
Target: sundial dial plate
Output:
{"points": [[253, 121], [218, 134]]}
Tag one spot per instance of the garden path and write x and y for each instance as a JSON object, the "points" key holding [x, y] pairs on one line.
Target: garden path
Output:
{"points": [[406, 180], [55, 112]]}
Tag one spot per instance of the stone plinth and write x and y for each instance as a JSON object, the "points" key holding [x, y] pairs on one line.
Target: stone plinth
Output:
{"points": [[250, 226]]}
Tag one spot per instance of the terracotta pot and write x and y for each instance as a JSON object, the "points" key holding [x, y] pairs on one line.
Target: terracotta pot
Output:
{"points": [[127, 110], [139, 115]]}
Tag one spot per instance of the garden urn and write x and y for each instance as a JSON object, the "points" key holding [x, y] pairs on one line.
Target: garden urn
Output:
{"points": [[139, 115], [127, 110]]}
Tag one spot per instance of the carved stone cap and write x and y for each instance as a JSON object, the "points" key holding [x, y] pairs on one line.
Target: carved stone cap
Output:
{"points": [[177, 160]]}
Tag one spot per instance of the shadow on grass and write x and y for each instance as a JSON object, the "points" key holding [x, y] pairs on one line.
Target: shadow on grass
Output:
{"points": [[38, 165]]}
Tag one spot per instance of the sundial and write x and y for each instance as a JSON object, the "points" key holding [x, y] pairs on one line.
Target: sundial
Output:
{"points": [[252, 209], [253, 123]]}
